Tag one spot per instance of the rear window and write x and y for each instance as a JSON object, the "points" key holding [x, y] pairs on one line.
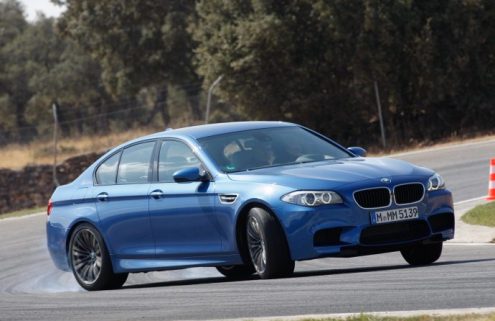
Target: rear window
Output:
{"points": [[134, 167], [107, 171]]}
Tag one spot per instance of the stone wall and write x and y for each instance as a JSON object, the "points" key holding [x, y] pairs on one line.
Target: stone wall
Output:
{"points": [[33, 185]]}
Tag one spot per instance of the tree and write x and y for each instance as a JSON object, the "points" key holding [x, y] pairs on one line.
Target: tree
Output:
{"points": [[286, 60], [139, 43], [12, 24], [307, 61], [315, 62], [73, 83], [40, 68]]}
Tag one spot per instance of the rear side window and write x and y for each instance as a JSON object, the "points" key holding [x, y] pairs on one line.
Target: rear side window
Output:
{"points": [[105, 175], [134, 167]]}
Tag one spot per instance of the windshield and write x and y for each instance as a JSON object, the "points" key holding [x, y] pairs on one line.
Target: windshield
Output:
{"points": [[259, 148]]}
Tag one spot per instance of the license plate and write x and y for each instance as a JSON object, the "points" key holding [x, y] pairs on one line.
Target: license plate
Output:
{"points": [[398, 214]]}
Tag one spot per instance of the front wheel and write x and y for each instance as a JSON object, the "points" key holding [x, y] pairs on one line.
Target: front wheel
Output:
{"points": [[90, 262], [422, 254], [267, 245]]}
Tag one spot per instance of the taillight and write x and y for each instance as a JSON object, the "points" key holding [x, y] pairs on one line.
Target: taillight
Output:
{"points": [[49, 207]]}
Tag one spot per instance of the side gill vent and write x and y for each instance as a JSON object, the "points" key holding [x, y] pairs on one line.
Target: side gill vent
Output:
{"points": [[228, 198]]}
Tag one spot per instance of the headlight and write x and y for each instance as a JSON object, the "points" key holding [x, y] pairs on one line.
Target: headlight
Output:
{"points": [[435, 183], [312, 198]]}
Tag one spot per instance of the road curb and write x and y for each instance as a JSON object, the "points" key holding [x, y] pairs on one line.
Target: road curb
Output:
{"points": [[467, 233]]}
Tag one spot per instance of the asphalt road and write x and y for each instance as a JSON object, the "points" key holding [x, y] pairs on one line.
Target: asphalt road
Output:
{"points": [[32, 289], [464, 167]]}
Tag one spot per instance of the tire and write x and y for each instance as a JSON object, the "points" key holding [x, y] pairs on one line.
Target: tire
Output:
{"points": [[90, 262], [267, 245], [422, 254], [236, 271]]}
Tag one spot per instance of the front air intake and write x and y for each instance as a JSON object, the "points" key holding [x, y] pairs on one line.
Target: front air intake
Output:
{"points": [[442, 222], [327, 237], [395, 232]]}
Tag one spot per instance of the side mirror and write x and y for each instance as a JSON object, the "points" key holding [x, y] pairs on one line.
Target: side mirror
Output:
{"points": [[358, 151], [190, 174]]}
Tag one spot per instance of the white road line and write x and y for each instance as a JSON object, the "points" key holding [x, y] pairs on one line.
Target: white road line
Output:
{"points": [[442, 312], [470, 200], [452, 242], [15, 218]]}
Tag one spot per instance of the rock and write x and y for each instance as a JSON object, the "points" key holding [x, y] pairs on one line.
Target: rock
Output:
{"points": [[33, 185]]}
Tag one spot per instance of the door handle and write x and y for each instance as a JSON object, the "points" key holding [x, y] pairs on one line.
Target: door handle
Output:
{"points": [[156, 194], [102, 197]]}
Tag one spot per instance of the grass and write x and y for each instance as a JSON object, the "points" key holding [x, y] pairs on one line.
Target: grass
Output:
{"points": [[41, 152], [23, 212], [370, 317], [481, 215]]}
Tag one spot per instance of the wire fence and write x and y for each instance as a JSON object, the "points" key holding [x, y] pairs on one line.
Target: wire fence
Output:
{"points": [[127, 112]]}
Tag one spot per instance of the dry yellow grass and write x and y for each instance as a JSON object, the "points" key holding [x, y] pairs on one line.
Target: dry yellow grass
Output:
{"points": [[371, 317], [16, 156]]}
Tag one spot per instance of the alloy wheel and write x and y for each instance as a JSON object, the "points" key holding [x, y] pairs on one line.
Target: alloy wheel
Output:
{"points": [[86, 256], [256, 245]]}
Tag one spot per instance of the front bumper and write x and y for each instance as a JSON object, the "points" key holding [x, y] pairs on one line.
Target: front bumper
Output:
{"points": [[347, 230]]}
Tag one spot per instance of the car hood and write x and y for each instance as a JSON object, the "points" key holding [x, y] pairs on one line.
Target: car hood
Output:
{"points": [[328, 174]]}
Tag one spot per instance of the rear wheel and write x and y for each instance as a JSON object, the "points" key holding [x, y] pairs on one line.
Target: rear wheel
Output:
{"points": [[267, 245], [422, 254], [90, 262], [236, 271]]}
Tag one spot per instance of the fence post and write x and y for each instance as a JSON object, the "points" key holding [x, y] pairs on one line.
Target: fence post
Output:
{"points": [[55, 142], [208, 102], [380, 116]]}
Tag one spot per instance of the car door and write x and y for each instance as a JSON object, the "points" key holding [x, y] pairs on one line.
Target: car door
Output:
{"points": [[182, 214], [121, 196]]}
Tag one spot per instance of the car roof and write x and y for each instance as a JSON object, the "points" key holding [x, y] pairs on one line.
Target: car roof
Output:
{"points": [[201, 131]]}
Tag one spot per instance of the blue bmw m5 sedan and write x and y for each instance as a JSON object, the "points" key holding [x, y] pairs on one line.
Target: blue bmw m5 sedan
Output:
{"points": [[244, 197]]}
